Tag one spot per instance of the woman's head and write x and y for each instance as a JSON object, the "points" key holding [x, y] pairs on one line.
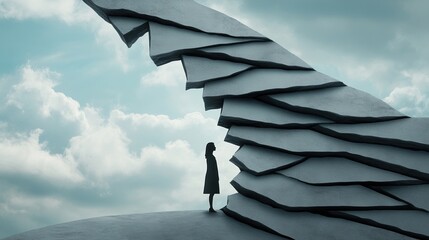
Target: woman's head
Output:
{"points": [[210, 147]]}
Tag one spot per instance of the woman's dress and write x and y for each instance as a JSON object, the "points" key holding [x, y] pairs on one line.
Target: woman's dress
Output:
{"points": [[211, 184]]}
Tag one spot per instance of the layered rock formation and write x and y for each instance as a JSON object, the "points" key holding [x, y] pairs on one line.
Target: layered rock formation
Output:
{"points": [[318, 159]]}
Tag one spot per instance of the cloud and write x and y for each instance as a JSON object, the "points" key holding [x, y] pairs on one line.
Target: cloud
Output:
{"points": [[107, 36], [23, 154], [190, 120], [102, 151], [114, 164], [72, 12], [413, 98], [169, 75], [69, 11], [36, 91]]}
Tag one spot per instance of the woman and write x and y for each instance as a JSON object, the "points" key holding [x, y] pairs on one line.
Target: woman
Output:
{"points": [[211, 185]]}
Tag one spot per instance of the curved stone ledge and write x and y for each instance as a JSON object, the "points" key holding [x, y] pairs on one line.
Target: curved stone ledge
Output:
{"points": [[251, 112], [303, 225], [256, 82], [176, 14], [129, 29], [289, 194], [261, 161], [341, 171], [340, 104], [417, 195], [412, 133], [169, 43], [415, 224], [200, 70], [265, 54], [313, 144]]}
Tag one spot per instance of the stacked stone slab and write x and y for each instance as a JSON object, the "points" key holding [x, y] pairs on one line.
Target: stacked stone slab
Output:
{"points": [[318, 159]]}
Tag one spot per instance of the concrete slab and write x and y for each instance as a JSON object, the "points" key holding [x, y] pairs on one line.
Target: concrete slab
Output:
{"points": [[415, 225], [168, 43], [310, 143], [177, 14], [340, 104], [256, 82], [334, 171], [303, 225], [129, 29], [192, 225], [290, 194], [252, 112], [410, 133], [260, 54], [260, 161], [417, 195], [200, 70]]}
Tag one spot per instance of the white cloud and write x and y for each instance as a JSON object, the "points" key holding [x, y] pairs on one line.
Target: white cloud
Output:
{"points": [[409, 100], [24, 154], [107, 36], [101, 148], [74, 12], [412, 99], [36, 91], [190, 120], [102, 151], [169, 75], [69, 11]]}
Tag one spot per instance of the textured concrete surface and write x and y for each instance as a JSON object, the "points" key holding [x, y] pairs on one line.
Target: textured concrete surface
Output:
{"points": [[331, 171], [261, 54], [291, 194], [410, 133], [252, 112], [341, 104], [259, 161], [200, 70], [311, 143], [177, 13], [256, 82], [415, 194], [304, 225], [417, 221], [190, 225], [129, 29], [168, 43]]}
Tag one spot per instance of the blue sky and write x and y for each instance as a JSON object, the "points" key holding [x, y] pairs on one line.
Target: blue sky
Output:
{"points": [[90, 128]]}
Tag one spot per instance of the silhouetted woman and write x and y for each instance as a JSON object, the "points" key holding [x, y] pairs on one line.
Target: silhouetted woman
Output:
{"points": [[211, 185]]}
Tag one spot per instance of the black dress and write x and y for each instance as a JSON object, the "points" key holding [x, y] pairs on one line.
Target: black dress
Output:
{"points": [[211, 184]]}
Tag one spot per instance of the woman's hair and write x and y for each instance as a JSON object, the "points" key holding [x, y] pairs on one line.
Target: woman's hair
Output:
{"points": [[210, 148]]}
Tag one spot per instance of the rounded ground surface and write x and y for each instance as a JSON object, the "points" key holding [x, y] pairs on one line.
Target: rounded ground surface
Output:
{"points": [[157, 226]]}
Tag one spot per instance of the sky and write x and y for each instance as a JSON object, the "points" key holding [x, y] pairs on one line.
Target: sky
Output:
{"points": [[91, 128]]}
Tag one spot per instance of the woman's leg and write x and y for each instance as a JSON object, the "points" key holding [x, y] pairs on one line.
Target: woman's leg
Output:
{"points": [[211, 201]]}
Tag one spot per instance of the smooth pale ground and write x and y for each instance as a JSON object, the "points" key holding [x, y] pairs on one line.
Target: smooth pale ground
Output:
{"points": [[198, 225]]}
